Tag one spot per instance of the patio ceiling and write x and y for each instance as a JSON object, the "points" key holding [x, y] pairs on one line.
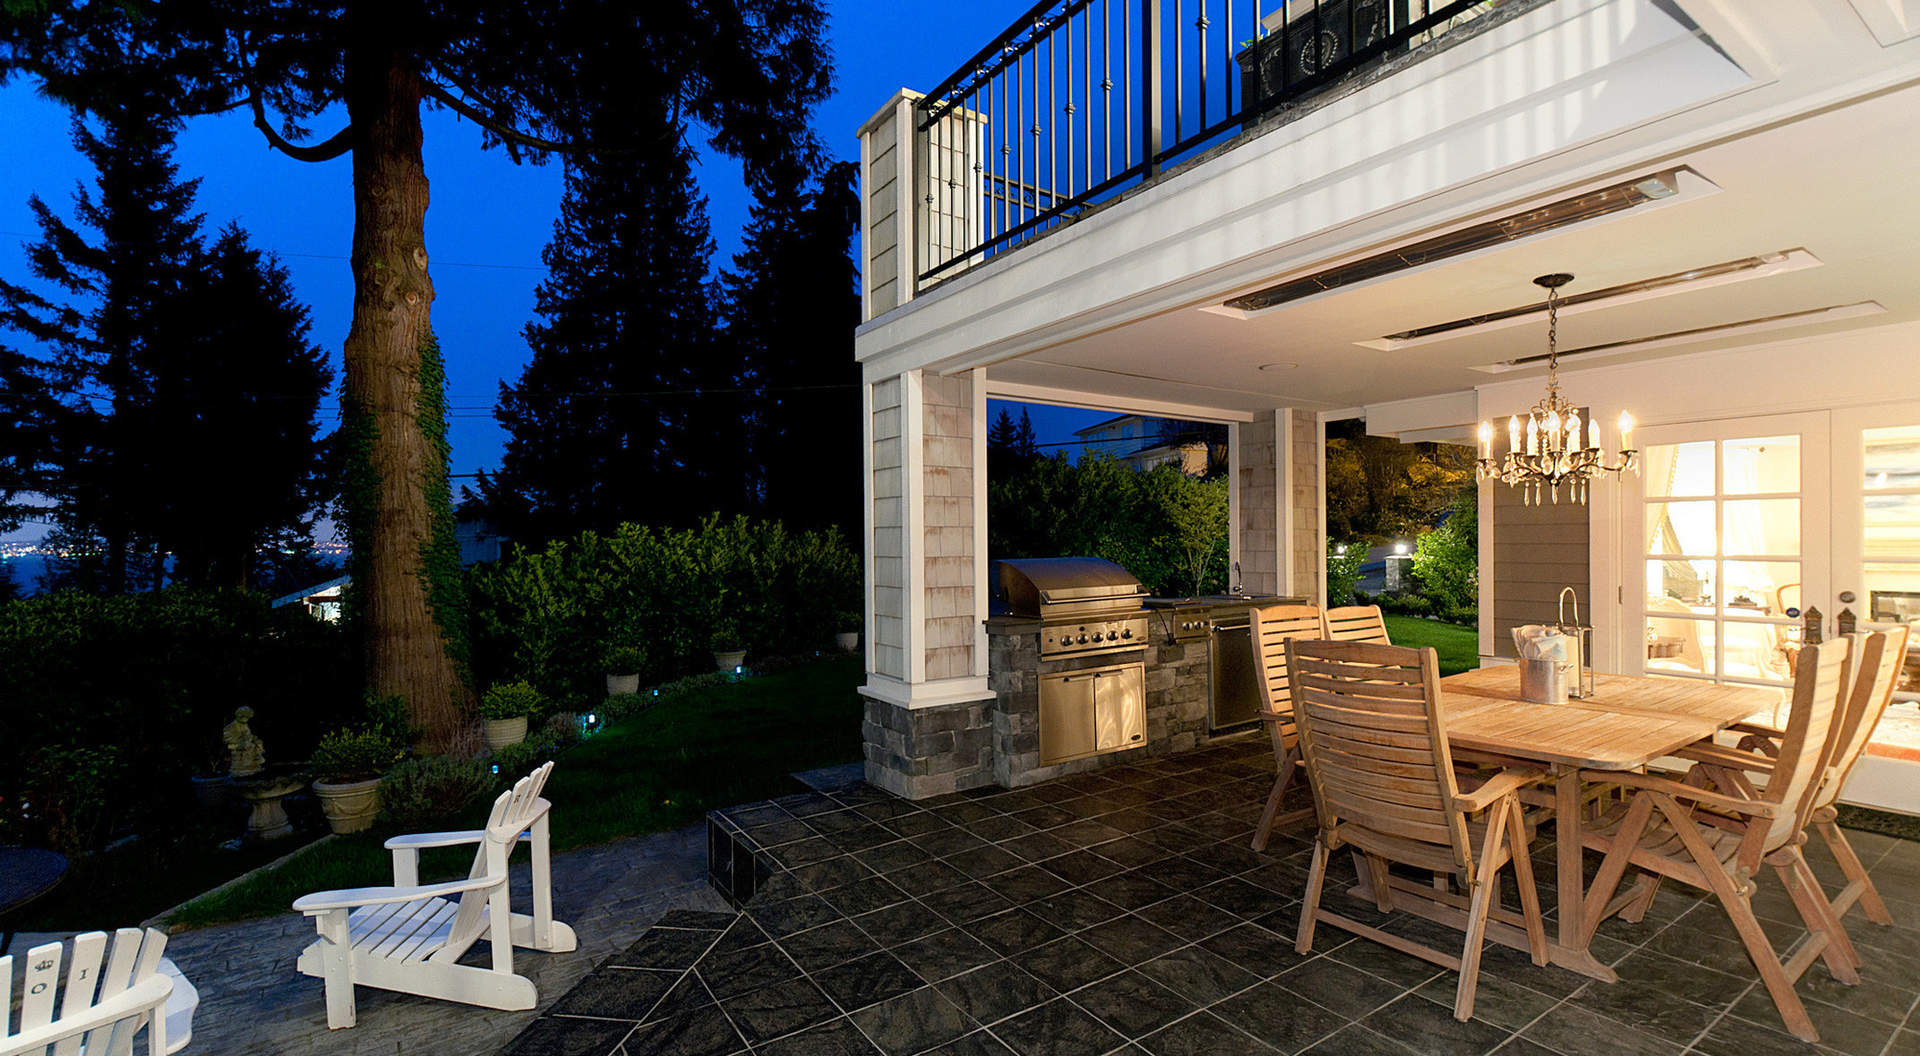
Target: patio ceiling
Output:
{"points": [[1836, 184]]}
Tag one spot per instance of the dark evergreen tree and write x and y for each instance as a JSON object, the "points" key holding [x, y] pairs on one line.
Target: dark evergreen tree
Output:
{"points": [[747, 70], [116, 267], [29, 410], [231, 426], [604, 421], [1025, 445], [792, 302]]}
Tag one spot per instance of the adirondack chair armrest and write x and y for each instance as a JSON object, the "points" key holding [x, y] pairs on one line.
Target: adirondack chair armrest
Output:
{"points": [[149, 995], [1713, 800], [356, 897], [1731, 758], [1500, 785], [422, 840]]}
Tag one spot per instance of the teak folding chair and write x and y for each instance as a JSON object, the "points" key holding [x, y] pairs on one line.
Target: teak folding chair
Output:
{"points": [[1718, 842], [1357, 623], [1375, 749], [1876, 663], [1272, 626]]}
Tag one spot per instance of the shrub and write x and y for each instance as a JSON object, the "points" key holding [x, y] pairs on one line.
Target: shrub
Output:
{"points": [[354, 755], [546, 616], [427, 791], [517, 761], [625, 659], [1446, 563], [154, 677], [621, 705], [510, 701], [1343, 571]]}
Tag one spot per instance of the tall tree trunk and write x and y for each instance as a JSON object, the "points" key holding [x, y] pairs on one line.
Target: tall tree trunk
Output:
{"points": [[406, 653]]}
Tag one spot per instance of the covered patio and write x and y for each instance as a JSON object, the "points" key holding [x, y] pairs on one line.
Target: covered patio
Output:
{"points": [[1122, 911]]}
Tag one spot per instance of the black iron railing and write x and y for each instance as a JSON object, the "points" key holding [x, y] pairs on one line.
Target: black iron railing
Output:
{"points": [[1080, 99]]}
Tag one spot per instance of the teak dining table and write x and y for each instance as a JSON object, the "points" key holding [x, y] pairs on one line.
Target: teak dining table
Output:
{"points": [[1625, 724]]}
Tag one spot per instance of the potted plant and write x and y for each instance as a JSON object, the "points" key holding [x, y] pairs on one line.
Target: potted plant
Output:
{"points": [[347, 766], [727, 651], [212, 784], [623, 663], [506, 707], [848, 639]]}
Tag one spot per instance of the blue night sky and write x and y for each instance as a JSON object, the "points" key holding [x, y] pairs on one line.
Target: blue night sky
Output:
{"points": [[489, 218]]}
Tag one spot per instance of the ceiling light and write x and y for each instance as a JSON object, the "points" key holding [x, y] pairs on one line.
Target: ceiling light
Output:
{"points": [[1556, 451], [1593, 205]]}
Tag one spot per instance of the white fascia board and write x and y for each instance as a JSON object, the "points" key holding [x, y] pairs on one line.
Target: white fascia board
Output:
{"points": [[1358, 172], [1422, 414], [1007, 390]]}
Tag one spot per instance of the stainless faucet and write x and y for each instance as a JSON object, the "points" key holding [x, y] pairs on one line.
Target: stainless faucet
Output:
{"points": [[1233, 587]]}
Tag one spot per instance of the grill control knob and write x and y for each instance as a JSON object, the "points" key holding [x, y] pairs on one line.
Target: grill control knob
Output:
{"points": [[1083, 639], [1128, 633]]}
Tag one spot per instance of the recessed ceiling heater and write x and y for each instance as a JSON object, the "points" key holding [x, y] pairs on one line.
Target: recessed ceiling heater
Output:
{"points": [[1486, 235]]}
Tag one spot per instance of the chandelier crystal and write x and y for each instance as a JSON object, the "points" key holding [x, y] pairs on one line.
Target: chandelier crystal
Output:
{"points": [[1547, 450]]}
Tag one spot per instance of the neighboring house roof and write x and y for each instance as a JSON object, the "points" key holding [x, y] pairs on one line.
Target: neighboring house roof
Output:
{"points": [[308, 592], [1103, 425]]}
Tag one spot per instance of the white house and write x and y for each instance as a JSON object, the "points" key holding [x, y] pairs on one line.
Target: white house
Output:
{"points": [[1075, 217]]}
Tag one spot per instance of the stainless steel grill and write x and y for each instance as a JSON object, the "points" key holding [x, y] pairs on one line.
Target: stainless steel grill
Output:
{"points": [[1087, 606]]}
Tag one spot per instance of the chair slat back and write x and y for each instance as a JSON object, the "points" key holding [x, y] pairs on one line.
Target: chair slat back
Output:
{"points": [[1822, 674], [1272, 625], [513, 810], [97, 969], [1376, 753], [1876, 661], [1357, 623]]}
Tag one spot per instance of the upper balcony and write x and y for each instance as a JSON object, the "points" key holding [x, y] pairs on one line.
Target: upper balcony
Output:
{"points": [[1081, 102]]}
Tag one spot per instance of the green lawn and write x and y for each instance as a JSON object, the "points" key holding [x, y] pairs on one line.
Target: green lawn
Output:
{"points": [[658, 770], [1459, 647]]}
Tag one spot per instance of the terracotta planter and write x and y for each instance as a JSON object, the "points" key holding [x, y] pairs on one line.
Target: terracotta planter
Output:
{"points": [[618, 684], [848, 641], [505, 733], [350, 806], [729, 659]]}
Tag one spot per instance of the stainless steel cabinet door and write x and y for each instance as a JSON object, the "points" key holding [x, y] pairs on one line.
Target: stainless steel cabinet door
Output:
{"points": [[1120, 705], [1066, 717]]}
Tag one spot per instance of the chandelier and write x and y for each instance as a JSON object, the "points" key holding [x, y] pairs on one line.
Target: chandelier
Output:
{"points": [[1546, 451]]}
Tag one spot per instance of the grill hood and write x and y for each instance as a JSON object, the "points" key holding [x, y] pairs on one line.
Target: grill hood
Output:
{"points": [[1033, 586]]}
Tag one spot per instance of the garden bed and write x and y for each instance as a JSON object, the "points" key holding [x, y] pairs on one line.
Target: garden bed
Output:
{"points": [[659, 769]]}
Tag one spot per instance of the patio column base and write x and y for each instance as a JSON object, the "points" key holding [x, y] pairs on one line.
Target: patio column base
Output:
{"points": [[930, 738]]}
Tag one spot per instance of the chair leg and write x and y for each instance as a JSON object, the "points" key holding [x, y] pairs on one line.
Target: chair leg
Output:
{"points": [[337, 969], [1855, 872], [1523, 878], [1310, 899], [1648, 886], [1485, 892], [1785, 1001], [1274, 798], [1843, 961], [1378, 872]]}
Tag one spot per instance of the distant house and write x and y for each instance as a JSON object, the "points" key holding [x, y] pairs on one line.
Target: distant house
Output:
{"points": [[480, 540], [1144, 442], [321, 599]]}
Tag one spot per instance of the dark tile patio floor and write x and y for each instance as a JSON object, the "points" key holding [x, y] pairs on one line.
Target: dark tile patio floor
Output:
{"points": [[1121, 912]]}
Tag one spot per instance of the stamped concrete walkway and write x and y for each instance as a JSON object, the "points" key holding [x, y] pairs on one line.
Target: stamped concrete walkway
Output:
{"points": [[253, 1002]]}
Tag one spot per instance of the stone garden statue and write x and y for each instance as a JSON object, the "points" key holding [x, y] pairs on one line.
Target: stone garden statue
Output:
{"points": [[246, 753]]}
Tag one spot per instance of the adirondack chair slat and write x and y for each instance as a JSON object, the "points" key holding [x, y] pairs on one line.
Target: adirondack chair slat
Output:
{"points": [[113, 988], [411, 939]]}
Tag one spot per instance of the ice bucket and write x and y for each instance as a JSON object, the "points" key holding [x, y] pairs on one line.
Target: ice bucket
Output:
{"points": [[1546, 681]]}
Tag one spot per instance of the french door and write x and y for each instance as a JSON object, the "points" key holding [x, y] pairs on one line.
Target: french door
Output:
{"points": [[1736, 528]]}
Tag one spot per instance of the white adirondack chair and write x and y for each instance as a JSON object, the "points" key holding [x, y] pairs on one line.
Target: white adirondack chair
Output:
{"points": [[100, 1009], [409, 937]]}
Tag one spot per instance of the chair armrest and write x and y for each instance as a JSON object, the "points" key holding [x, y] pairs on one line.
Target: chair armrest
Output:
{"points": [[424, 840], [1494, 788], [1731, 758], [1727, 804], [355, 897], [1758, 728], [149, 995]]}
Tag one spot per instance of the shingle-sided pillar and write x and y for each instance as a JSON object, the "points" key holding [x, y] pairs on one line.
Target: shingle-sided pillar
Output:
{"points": [[928, 726], [1277, 523]]}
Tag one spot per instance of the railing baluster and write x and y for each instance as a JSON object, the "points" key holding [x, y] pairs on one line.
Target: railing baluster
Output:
{"points": [[979, 179]]}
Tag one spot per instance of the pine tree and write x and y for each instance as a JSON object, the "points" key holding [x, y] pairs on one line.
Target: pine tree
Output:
{"points": [[792, 302], [133, 239], [1025, 445], [232, 428], [605, 420]]}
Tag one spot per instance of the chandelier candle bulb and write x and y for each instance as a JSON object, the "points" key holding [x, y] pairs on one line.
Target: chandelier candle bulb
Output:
{"points": [[1513, 434], [1573, 431], [1626, 431], [1533, 436], [1486, 439], [1593, 439]]}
